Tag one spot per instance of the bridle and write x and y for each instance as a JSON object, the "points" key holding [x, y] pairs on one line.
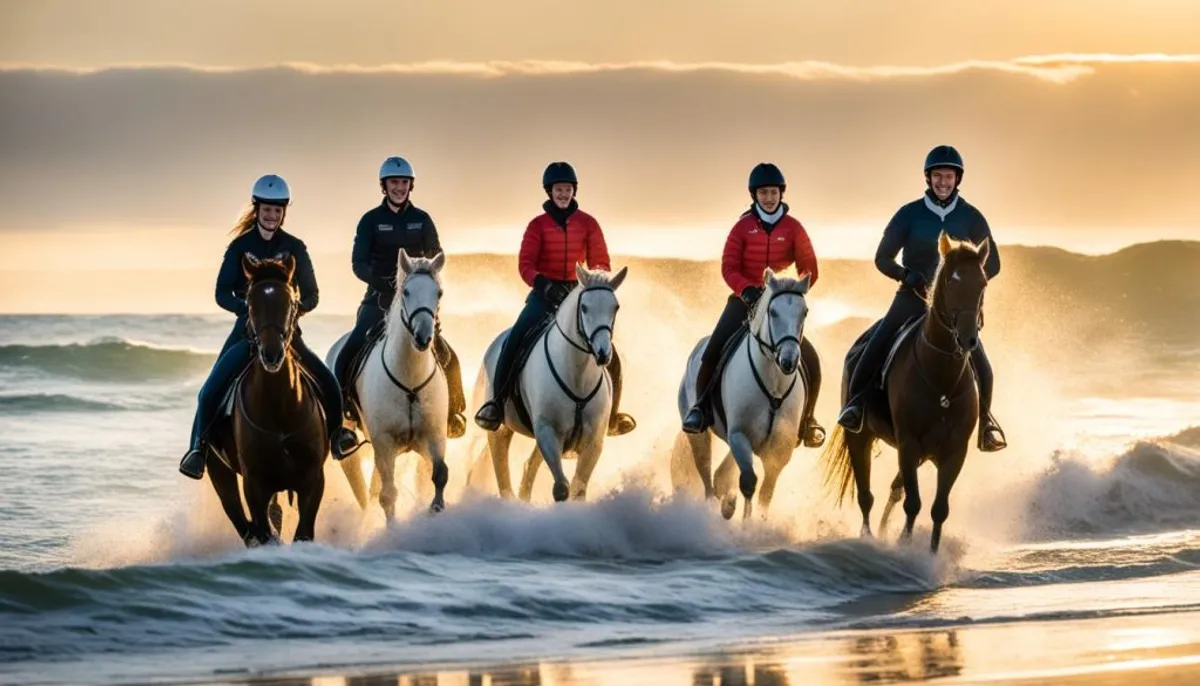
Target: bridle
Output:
{"points": [[772, 346], [587, 346]]}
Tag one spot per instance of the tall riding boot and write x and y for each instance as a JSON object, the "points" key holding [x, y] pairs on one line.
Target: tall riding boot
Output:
{"points": [[619, 423], [811, 434], [456, 424], [991, 436]]}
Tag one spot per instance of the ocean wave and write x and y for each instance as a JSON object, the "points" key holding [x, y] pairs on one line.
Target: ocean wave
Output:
{"points": [[30, 403], [107, 359], [1153, 486]]}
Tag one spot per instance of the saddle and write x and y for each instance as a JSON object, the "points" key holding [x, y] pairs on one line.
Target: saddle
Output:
{"points": [[715, 397], [876, 390], [523, 353], [352, 407]]}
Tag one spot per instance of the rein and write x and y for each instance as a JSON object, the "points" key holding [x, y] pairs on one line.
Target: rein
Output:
{"points": [[581, 403], [958, 353], [772, 346], [413, 394]]}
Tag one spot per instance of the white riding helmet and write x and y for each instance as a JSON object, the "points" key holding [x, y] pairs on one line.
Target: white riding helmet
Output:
{"points": [[271, 189], [396, 166]]}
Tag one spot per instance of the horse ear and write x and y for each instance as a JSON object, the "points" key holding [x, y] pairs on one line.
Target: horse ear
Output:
{"points": [[770, 280], [439, 262], [403, 261], [290, 262], [249, 264], [944, 244], [985, 249], [615, 281], [805, 282], [580, 272]]}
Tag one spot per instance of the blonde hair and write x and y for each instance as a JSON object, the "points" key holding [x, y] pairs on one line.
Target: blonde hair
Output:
{"points": [[249, 219]]}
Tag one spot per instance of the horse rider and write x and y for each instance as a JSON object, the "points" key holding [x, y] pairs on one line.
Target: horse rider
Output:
{"points": [[382, 231], [765, 235], [914, 230], [554, 242], [260, 232]]}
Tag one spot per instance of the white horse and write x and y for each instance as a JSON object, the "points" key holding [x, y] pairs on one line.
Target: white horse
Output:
{"points": [[402, 390], [565, 388], [762, 393]]}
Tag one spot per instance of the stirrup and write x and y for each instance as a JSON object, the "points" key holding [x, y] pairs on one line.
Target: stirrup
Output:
{"points": [[345, 444], [811, 435], [991, 437], [456, 426], [693, 427], [193, 463], [621, 424], [853, 417], [490, 416]]}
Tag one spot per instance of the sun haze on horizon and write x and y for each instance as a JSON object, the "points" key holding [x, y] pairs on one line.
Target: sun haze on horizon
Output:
{"points": [[663, 109]]}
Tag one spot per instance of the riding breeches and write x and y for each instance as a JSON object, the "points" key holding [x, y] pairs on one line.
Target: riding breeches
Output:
{"points": [[536, 309], [235, 357]]}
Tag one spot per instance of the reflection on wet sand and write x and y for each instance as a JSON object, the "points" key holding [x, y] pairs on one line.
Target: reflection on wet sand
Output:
{"points": [[1150, 650]]}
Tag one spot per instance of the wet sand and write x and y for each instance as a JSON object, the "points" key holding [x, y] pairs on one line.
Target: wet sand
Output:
{"points": [[1149, 650]]}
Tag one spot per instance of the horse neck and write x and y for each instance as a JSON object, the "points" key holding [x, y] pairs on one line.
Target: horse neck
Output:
{"points": [[944, 369], [404, 360], [577, 368], [773, 377], [274, 395]]}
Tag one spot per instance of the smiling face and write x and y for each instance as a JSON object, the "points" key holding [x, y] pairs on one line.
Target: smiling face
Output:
{"points": [[943, 181], [397, 189], [768, 198], [270, 217]]}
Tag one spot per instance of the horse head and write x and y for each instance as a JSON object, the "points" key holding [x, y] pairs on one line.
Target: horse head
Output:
{"points": [[958, 290], [419, 297], [273, 303], [779, 315], [595, 306]]}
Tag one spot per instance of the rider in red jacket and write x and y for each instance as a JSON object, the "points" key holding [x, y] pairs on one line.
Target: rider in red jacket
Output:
{"points": [[765, 235], [555, 241]]}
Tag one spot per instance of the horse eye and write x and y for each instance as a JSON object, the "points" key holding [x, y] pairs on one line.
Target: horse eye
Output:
{"points": [[774, 314], [406, 292], [440, 292], [584, 308]]}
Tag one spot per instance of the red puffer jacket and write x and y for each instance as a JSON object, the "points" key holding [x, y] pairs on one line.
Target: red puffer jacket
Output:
{"points": [[552, 251], [750, 249]]}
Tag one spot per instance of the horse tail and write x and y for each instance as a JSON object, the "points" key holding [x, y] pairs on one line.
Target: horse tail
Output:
{"points": [[837, 465]]}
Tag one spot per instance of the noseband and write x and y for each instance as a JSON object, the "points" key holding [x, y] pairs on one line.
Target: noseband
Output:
{"points": [[587, 338], [287, 328]]}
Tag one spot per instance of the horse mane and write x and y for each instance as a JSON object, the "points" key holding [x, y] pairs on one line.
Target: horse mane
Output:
{"points": [[787, 282], [595, 278], [270, 269], [423, 265]]}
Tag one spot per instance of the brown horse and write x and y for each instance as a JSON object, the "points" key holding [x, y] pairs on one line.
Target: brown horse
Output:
{"points": [[276, 438], [930, 404]]}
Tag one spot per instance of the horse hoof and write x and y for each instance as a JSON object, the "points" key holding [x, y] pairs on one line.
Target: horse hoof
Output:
{"points": [[561, 491], [456, 427], [728, 505], [436, 508]]}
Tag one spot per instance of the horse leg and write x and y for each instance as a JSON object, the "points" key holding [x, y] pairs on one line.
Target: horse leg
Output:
{"points": [[948, 470], [224, 481], [909, 461], [310, 503], [860, 445], [772, 468], [258, 500], [548, 443], [385, 466], [739, 445], [585, 464], [275, 515], [701, 445], [499, 441], [897, 490], [532, 465], [352, 468], [435, 452], [723, 486]]}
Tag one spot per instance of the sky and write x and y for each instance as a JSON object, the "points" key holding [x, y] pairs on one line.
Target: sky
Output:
{"points": [[130, 120]]}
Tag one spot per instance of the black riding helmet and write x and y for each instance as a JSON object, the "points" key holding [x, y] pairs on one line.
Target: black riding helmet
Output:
{"points": [[559, 172], [766, 174], [944, 156]]}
